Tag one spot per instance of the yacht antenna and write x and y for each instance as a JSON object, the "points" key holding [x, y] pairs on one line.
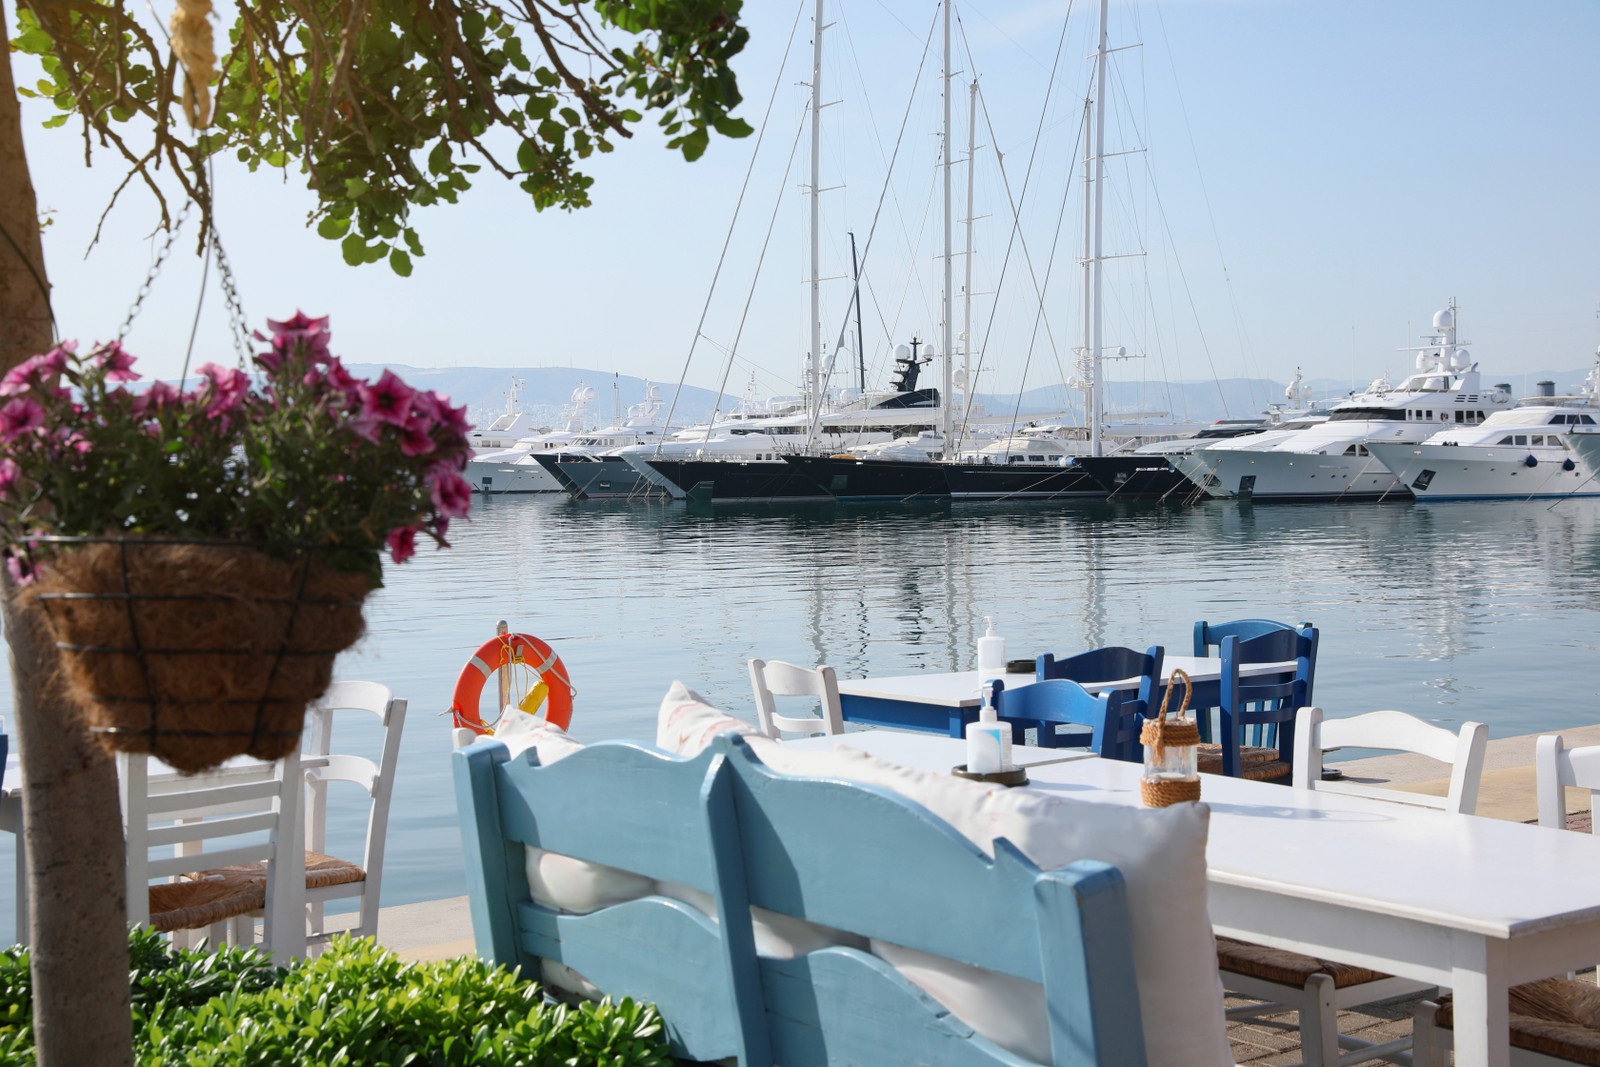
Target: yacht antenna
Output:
{"points": [[948, 324], [815, 399], [861, 351]]}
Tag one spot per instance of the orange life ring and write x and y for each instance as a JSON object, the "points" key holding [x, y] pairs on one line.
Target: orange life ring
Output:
{"points": [[503, 650]]}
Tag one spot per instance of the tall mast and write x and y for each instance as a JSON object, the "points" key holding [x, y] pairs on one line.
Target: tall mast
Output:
{"points": [[861, 351], [949, 436], [966, 298], [815, 399], [1096, 395]]}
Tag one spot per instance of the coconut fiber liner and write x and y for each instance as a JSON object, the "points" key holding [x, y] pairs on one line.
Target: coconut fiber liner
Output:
{"points": [[198, 652]]}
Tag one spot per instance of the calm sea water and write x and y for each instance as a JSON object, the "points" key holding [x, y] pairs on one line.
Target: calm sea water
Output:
{"points": [[1448, 611]]}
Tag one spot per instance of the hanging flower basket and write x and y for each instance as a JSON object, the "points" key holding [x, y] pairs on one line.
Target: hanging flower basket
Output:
{"points": [[197, 652], [201, 554]]}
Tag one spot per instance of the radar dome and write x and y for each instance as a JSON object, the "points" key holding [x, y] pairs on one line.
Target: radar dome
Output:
{"points": [[583, 394], [902, 351], [1460, 359], [1444, 319]]}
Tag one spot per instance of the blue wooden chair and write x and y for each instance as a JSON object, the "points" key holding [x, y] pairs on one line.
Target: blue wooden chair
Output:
{"points": [[1208, 638], [1108, 664], [1112, 718], [1261, 700], [808, 849]]}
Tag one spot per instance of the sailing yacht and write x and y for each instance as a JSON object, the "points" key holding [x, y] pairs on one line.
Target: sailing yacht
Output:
{"points": [[1521, 454], [1333, 460]]}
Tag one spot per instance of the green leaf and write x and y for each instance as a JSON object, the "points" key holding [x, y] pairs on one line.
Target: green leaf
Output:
{"points": [[333, 228], [400, 263], [694, 144], [546, 77], [354, 249], [354, 188], [439, 158], [729, 126]]}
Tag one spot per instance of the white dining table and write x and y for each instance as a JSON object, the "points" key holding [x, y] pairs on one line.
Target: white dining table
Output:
{"points": [[1471, 904]]}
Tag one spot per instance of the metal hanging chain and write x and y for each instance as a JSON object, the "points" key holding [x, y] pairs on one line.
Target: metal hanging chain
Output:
{"points": [[238, 325], [155, 269]]}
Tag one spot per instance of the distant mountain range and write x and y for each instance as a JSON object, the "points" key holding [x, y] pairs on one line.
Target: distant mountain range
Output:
{"points": [[547, 394]]}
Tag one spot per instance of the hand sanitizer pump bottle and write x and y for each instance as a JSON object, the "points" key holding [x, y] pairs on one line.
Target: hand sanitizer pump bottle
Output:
{"points": [[988, 739], [991, 651]]}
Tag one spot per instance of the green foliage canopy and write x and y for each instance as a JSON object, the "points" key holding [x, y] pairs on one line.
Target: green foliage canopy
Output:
{"points": [[387, 105]]}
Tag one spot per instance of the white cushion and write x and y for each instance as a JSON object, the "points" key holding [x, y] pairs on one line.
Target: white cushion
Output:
{"points": [[777, 936], [686, 724], [1160, 852], [554, 880]]}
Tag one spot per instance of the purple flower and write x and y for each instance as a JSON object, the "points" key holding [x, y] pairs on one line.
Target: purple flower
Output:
{"points": [[402, 543], [18, 416], [116, 362], [446, 417], [452, 494], [388, 400], [9, 473]]}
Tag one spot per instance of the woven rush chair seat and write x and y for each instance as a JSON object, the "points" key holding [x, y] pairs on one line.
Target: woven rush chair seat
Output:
{"points": [[190, 905], [321, 871], [1287, 968], [1256, 764], [1558, 1017]]}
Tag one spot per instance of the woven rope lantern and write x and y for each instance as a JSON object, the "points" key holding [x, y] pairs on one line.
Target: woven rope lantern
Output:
{"points": [[1171, 751]]}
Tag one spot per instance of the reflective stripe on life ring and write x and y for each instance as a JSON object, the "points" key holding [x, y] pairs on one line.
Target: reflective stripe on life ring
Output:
{"points": [[502, 651]]}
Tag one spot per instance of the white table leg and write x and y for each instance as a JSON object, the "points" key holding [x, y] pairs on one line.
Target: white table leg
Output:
{"points": [[1481, 1003]]}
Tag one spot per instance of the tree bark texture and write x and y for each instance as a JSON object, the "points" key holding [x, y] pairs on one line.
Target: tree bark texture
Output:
{"points": [[24, 288], [72, 817], [76, 864]]}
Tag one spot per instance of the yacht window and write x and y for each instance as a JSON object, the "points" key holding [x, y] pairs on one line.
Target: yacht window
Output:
{"points": [[1538, 439], [1522, 439], [1507, 440], [1584, 420], [1461, 416]]}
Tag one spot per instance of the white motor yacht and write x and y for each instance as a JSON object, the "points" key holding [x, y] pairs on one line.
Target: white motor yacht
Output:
{"points": [[1333, 460], [517, 470], [1519, 454], [504, 430]]}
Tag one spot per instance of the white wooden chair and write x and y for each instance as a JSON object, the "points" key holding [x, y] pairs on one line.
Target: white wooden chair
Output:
{"points": [[1319, 989], [1553, 1021], [182, 829], [779, 679], [329, 877]]}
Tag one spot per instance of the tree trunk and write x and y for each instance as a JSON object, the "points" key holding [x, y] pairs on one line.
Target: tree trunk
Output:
{"points": [[24, 290], [76, 862], [71, 815]]}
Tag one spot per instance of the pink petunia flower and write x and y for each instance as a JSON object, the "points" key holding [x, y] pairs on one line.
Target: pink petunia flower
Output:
{"points": [[22, 572], [160, 395], [229, 387], [18, 416], [452, 494], [402, 542], [388, 399], [42, 371], [116, 362], [416, 441], [9, 473]]}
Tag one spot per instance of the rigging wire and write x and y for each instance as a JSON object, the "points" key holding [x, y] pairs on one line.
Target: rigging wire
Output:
{"points": [[755, 152], [866, 251], [1016, 202]]}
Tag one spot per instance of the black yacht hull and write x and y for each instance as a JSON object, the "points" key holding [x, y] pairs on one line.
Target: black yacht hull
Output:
{"points": [[1139, 478], [599, 478], [1016, 481], [847, 478], [753, 480]]}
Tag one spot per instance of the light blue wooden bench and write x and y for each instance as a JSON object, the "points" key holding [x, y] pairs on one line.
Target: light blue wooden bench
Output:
{"points": [[846, 856]]}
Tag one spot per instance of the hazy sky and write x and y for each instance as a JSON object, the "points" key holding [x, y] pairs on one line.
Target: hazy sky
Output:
{"points": [[1307, 183]]}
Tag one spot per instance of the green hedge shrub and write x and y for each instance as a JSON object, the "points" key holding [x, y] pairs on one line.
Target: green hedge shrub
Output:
{"points": [[355, 1004]]}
